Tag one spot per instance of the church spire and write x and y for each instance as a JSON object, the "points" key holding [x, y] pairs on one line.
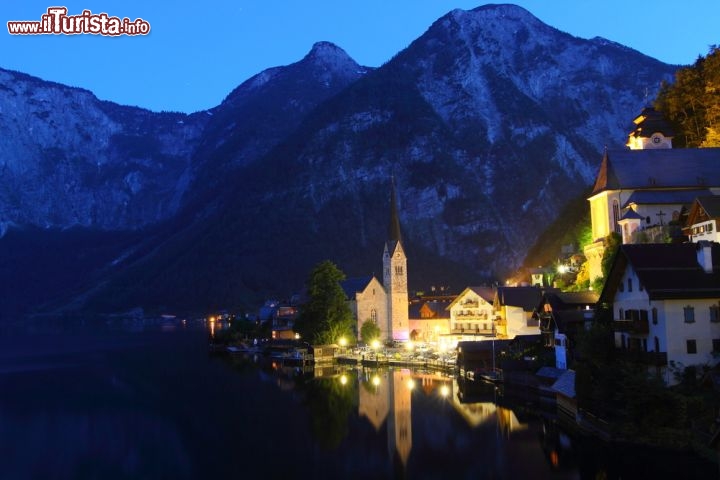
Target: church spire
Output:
{"points": [[394, 234]]}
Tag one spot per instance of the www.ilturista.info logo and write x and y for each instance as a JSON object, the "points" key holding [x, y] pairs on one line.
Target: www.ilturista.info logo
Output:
{"points": [[57, 22]]}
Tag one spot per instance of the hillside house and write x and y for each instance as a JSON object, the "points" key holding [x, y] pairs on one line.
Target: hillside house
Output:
{"points": [[702, 221], [666, 305], [562, 315]]}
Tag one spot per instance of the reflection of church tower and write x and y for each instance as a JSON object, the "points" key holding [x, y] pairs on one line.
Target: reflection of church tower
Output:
{"points": [[395, 278], [400, 420]]}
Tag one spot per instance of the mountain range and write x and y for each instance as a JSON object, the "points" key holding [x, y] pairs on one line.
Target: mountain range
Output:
{"points": [[489, 123]]}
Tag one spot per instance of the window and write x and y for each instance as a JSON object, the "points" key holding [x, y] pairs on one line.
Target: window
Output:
{"points": [[621, 286], [714, 313], [709, 227], [641, 287], [689, 312], [629, 284], [373, 315], [398, 270], [620, 314], [716, 345], [654, 316], [616, 216], [691, 346]]}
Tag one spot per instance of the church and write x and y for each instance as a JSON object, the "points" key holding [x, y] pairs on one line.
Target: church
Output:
{"points": [[643, 192], [385, 304]]}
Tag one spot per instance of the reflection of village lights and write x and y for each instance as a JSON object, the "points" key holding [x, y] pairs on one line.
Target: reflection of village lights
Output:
{"points": [[343, 380], [444, 391], [376, 380], [410, 383]]}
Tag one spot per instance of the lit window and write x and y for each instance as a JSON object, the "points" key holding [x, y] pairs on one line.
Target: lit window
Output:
{"points": [[373, 315], [691, 346], [689, 313]]}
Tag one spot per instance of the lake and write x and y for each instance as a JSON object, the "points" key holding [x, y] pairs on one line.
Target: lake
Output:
{"points": [[133, 399]]}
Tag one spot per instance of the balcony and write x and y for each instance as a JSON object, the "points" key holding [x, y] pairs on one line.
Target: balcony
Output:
{"points": [[656, 359], [638, 326], [473, 331]]}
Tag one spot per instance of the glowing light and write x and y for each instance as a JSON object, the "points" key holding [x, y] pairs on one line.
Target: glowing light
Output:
{"points": [[342, 341], [444, 391], [343, 380], [409, 345], [410, 384], [376, 380], [212, 319], [562, 269], [297, 336], [375, 344]]}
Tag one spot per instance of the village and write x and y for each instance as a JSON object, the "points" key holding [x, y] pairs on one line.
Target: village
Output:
{"points": [[661, 291]]}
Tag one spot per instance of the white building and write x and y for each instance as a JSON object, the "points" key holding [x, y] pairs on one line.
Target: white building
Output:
{"points": [[639, 191], [666, 305], [703, 219]]}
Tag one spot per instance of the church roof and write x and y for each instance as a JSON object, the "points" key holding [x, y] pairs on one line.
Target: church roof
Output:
{"points": [[655, 197], [351, 286], [394, 234], [688, 168]]}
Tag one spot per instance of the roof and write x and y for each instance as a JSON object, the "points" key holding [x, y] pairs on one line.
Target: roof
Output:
{"points": [[351, 286], [651, 121], [394, 234], [525, 297], [565, 384], [439, 308], [631, 215], [486, 293], [711, 205], [661, 197], [666, 271], [689, 168]]}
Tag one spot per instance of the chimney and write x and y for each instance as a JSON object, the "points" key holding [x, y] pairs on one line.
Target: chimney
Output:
{"points": [[704, 255]]}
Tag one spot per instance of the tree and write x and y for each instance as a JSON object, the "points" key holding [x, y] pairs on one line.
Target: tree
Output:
{"points": [[369, 331], [326, 316], [692, 102]]}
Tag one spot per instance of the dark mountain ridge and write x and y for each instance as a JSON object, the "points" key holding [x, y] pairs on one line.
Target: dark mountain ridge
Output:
{"points": [[490, 122]]}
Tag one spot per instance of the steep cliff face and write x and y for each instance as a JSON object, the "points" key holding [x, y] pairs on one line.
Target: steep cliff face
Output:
{"points": [[68, 159], [490, 122]]}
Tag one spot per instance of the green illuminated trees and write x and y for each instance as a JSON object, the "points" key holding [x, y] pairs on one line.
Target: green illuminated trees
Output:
{"points": [[326, 316], [692, 102]]}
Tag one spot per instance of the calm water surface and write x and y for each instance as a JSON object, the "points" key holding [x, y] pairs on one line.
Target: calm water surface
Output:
{"points": [[133, 400]]}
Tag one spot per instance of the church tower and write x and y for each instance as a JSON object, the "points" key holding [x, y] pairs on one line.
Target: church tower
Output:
{"points": [[651, 131], [395, 277]]}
